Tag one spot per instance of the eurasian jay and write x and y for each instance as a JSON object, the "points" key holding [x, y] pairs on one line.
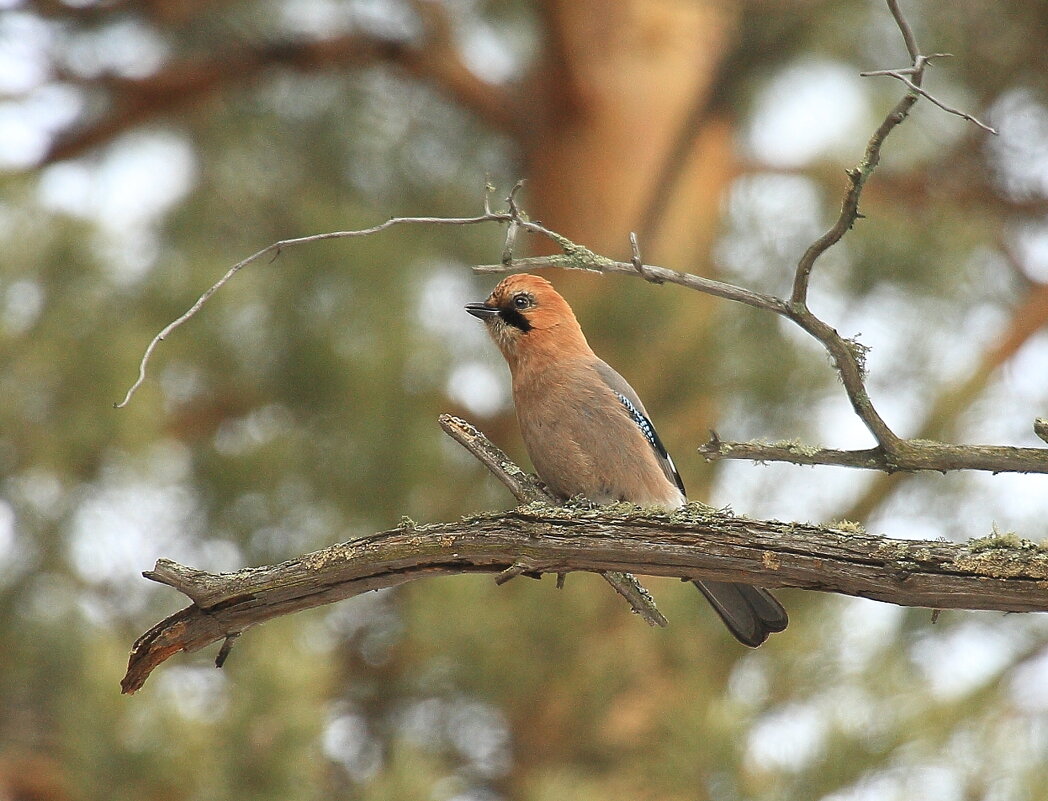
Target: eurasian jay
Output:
{"points": [[587, 432]]}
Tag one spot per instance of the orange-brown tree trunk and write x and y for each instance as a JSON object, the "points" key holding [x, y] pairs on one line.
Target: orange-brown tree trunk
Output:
{"points": [[614, 89], [611, 95]]}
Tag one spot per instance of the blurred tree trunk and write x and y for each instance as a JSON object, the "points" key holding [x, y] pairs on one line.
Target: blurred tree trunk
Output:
{"points": [[615, 87], [612, 93], [615, 96]]}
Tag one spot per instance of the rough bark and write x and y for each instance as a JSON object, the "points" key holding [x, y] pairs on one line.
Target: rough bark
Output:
{"points": [[997, 573]]}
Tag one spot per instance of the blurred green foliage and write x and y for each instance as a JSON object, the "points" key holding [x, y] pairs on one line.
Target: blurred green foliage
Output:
{"points": [[298, 408]]}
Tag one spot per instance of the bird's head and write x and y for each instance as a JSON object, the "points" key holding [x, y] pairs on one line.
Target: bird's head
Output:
{"points": [[525, 313]]}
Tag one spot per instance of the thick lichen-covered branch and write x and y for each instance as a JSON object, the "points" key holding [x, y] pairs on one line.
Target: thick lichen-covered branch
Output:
{"points": [[1000, 573]]}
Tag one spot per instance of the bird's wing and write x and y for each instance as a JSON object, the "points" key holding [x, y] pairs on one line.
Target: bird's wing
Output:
{"points": [[750, 613], [629, 400]]}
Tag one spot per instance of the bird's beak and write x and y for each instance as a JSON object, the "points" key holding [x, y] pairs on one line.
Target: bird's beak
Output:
{"points": [[481, 311]]}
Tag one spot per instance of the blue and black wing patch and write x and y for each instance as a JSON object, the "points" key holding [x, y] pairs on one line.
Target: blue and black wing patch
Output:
{"points": [[650, 434]]}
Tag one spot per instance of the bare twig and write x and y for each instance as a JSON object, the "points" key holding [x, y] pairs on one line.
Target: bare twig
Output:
{"points": [[518, 568], [847, 358], [901, 76], [511, 199], [693, 542], [918, 69], [846, 355], [577, 257], [525, 487], [275, 249], [850, 205], [638, 263], [511, 239], [489, 190], [636, 595], [226, 649], [904, 28]]}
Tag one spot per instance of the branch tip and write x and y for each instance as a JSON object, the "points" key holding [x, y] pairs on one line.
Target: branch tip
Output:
{"points": [[638, 263], [227, 647], [511, 200], [1040, 428], [489, 190], [276, 248], [637, 596], [517, 569], [511, 237]]}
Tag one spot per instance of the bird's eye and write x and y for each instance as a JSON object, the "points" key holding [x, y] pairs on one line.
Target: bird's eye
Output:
{"points": [[521, 302]]}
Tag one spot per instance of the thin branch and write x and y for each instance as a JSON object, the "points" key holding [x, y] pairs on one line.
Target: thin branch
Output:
{"points": [[907, 32], [859, 175], [1027, 318], [899, 75], [911, 455], [526, 488], [636, 595], [577, 257], [226, 649], [847, 355], [918, 69], [275, 249], [850, 205], [923, 451], [511, 240], [794, 452], [693, 542], [518, 568]]}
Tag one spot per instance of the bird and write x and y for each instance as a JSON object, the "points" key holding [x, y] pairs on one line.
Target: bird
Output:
{"points": [[587, 432]]}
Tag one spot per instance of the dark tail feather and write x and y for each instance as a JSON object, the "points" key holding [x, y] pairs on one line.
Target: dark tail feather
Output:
{"points": [[750, 613]]}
